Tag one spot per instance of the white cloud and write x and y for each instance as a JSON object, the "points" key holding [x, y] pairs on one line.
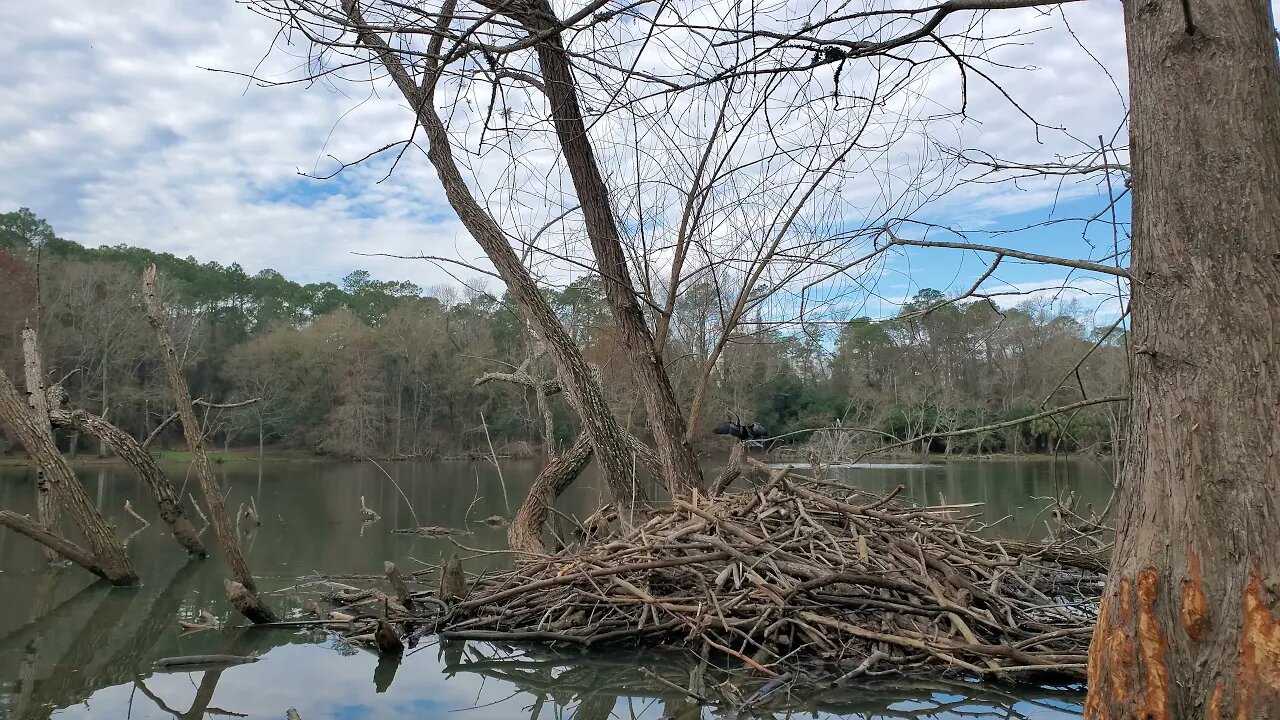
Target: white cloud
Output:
{"points": [[110, 128]]}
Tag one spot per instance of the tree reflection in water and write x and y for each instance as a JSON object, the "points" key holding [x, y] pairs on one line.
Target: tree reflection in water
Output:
{"points": [[594, 683], [102, 638]]}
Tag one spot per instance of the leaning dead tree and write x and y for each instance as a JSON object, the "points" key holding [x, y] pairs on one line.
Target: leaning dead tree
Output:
{"points": [[242, 588], [143, 464], [47, 408], [105, 555], [37, 398]]}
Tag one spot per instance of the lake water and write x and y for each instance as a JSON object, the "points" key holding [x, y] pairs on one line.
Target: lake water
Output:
{"points": [[70, 648]]}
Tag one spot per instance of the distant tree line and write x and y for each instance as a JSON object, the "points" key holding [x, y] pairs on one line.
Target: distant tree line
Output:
{"points": [[376, 368]]}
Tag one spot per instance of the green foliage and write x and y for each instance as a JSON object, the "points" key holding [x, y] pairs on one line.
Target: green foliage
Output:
{"points": [[370, 367]]}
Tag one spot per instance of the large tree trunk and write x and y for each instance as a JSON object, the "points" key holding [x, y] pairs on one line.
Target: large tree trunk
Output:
{"points": [[666, 422], [123, 444], [108, 558], [1189, 626], [608, 439], [195, 440], [524, 534], [38, 401]]}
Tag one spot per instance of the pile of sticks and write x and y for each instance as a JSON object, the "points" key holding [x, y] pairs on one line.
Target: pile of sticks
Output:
{"points": [[795, 576]]}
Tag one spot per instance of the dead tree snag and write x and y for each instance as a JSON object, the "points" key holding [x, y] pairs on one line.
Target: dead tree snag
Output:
{"points": [[105, 556], [247, 602]]}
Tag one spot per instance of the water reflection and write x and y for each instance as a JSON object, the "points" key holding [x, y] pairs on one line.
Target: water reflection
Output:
{"points": [[74, 649]]}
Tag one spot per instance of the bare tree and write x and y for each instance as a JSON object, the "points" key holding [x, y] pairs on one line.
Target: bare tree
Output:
{"points": [[1187, 627], [241, 590]]}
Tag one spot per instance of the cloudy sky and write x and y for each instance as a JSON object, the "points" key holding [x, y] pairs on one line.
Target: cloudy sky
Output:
{"points": [[112, 128]]}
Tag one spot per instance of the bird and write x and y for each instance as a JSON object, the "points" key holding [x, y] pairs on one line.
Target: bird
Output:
{"points": [[754, 431], [368, 512], [730, 427]]}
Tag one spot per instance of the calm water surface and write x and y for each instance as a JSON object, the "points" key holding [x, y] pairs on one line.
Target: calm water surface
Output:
{"points": [[70, 648]]}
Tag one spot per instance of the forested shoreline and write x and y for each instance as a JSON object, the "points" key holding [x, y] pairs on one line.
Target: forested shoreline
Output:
{"points": [[369, 368]]}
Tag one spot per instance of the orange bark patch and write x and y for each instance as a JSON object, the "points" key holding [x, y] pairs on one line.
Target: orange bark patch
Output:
{"points": [[1153, 648], [1112, 657], [1128, 677], [1194, 610], [1258, 678]]}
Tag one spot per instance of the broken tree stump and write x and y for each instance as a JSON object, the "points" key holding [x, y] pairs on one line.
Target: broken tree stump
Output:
{"points": [[398, 585], [453, 583], [247, 603], [388, 639]]}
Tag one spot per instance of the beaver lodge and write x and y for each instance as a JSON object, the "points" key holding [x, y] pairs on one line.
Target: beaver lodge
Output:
{"points": [[797, 578]]}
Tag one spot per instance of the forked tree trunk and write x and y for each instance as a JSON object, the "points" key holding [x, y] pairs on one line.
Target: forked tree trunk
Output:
{"points": [[250, 606], [105, 555], [608, 439], [666, 422], [38, 401], [123, 445], [524, 534], [1190, 623]]}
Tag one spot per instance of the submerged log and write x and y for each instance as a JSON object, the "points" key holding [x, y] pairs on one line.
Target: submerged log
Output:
{"points": [[195, 663]]}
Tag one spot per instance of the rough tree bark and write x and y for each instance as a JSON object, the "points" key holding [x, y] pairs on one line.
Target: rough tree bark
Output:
{"points": [[109, 558], [666, 422], [62, 546], [123, 445], [1189, 626], [524, 534], [250, 606], [611, 447], [37, 399]]}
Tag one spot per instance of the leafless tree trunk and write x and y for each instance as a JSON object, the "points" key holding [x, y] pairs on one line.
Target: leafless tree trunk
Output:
{"points": [[524, 534], [32, 367], [610, 443], [1189, 626], [666, 422], [123, 444], [105, 555], [251, 607]]}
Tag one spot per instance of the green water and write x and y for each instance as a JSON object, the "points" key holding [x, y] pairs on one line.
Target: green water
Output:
{"points": [[70, 648]]}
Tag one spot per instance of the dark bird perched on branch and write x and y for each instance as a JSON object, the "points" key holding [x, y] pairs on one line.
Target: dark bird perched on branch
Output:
{"points": [[754, 431]]}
